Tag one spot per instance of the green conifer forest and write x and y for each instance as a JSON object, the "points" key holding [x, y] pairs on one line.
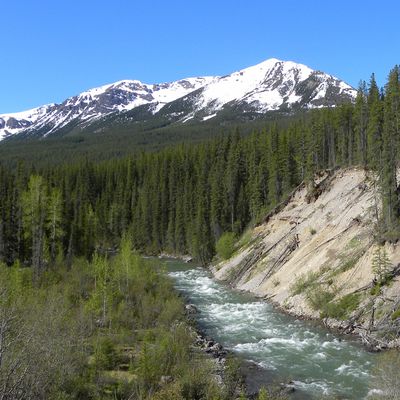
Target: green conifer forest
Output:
{"points": [[183, 198], [71, 310]]}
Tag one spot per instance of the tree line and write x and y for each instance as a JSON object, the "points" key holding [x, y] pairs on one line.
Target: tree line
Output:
{"points": [[183, 198]]}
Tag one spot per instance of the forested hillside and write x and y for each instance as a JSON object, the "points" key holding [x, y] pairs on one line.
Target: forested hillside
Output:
{"points": [[127, 140], [183, 198]]}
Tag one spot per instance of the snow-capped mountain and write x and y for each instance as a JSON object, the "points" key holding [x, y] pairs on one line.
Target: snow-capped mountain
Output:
{"points": [[272, 85], [96, 103]]}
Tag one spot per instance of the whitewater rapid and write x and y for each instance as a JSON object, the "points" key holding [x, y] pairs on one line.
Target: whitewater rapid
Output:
{"points": [[316, 361]]}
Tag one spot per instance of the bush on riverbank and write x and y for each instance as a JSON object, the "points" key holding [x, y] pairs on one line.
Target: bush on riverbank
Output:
{"points": [[104, 329], [225, 245]]}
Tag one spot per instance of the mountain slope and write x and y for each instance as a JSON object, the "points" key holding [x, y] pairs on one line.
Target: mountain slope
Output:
{"points": [[272, 85], [93, 104], [269, 86]]}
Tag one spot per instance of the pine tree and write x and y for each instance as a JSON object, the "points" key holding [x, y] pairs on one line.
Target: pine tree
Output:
{"points": [[34, 206], [381, 264], [375, 127], [361, 123], [390, 145], [54, 222]]}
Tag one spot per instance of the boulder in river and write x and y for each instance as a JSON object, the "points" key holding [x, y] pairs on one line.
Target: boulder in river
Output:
{"points": [[191, 309]]}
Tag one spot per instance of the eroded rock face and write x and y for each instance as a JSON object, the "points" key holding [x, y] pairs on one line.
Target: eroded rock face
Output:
{"points": [[323, 246]]}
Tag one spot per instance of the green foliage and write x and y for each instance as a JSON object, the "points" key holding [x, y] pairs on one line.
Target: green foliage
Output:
{"points": [[246, 239], [225, 245], [348, 264], [381, 264], [342, 308], [233, 379], [385, 376], [42, 337], [242, 396], [33, 204], [305, 282], [390, 150], [396, 314], [105, 354], [275, 394], [263, 394], [100, 329], [319, 299], [181, 199]]}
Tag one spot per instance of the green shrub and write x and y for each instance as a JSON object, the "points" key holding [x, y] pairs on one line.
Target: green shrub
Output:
{"points": [[304, 282], [105, 355], [375, 290], [391, 236], [349, 264], [225, 245], [396, 314], [263, 394], [273, 393], [232, 377], [246, 238], [320, 298], [342, 308], [353, 243]]}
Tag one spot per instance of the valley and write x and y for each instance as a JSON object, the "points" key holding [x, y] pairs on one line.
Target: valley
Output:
{"points": [[264, 179], [293, 353]]}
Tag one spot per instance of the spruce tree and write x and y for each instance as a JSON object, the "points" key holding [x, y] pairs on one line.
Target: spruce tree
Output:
{"points": [[33, 203], [361, 123], [390, 147], [375, 127]]}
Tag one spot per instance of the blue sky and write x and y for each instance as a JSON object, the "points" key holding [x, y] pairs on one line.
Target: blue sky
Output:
{"points": [[51, 50]]}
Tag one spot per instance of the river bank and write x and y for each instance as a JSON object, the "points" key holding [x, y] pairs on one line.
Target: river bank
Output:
{"points": [[316, 257], [317, 362], [251, 377]]}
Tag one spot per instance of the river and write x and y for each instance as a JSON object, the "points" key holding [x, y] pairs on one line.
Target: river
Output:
{"points": [[317, 362]]}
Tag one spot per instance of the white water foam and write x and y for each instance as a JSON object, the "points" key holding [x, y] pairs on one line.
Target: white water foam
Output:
{"points": [[316, 360]]}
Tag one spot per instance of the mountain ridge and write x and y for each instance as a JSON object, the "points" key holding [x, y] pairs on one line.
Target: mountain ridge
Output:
{"points": [[272, 85]]}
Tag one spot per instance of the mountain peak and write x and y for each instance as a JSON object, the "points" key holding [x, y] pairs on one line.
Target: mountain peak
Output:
{"points": [[271, 85]]}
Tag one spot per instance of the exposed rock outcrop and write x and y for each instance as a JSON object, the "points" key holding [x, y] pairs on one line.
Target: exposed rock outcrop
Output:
{"points": [[313, 257]]}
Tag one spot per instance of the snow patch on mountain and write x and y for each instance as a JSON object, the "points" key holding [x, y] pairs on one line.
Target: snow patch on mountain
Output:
{"points": [[267, 86], [256, 84], [11, 124]]}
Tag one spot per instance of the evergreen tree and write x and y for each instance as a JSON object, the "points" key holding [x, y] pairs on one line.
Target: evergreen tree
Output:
{"points": [[380, 264], [390, 145], [361, 123], [34, 202], [181, 199], [375, 126], [54, 222]]}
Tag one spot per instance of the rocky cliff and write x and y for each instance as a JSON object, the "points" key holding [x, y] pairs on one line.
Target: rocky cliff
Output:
{"points": [[316, 256]]}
